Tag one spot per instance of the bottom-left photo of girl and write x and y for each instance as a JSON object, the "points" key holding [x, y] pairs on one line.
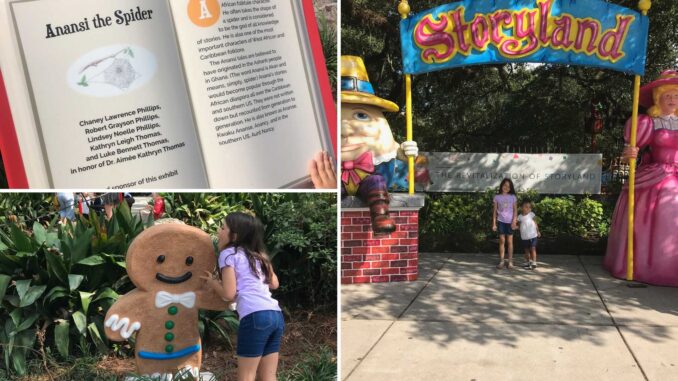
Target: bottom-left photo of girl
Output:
{"points": [[168, 286]]}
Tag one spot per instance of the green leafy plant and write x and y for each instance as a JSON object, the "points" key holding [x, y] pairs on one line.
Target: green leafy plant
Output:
{"points": [[58, 281], [462, 222], [318, 366]]}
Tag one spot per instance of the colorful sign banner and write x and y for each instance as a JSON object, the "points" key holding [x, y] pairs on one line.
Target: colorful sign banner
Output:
{"points": [[470, 32], [551, 173]]}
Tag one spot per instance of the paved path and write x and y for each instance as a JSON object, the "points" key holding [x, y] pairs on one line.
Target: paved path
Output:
{"points": [[464, 320]]}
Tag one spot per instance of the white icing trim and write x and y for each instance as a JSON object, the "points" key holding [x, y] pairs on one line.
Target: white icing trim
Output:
{"points": [[115, 323]]}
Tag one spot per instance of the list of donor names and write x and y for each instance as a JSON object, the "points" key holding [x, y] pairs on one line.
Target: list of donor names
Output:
{"points": [[124, 137]]}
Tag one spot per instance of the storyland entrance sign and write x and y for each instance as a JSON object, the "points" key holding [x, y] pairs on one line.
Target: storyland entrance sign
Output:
{"points": [[589, 33]]}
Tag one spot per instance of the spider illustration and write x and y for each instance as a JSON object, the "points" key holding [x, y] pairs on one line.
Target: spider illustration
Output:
{"points": [[119, 73]]}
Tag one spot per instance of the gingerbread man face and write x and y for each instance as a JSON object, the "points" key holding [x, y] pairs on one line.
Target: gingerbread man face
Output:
{"points": [[170, 257]]}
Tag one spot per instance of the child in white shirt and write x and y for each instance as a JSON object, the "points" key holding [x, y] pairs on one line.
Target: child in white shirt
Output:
{"points": [[529, 231]]}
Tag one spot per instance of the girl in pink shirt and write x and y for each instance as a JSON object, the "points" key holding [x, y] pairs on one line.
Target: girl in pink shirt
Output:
{"points": [[505, 219]]}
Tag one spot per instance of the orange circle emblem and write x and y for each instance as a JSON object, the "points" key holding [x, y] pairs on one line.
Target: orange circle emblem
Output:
{"points": [[204, 13]]}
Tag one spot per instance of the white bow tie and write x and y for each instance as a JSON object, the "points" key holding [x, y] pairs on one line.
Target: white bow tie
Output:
{"points": [[162, 299]]}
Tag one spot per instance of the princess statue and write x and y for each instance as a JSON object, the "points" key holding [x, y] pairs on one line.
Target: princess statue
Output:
{"points": [[655, 234]]}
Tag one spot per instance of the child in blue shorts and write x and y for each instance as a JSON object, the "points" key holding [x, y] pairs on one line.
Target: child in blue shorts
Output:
{"points": [[247, 277], [504, 220]]}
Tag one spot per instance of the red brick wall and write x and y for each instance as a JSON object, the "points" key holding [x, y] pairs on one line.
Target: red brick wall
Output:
{"points": [[370, 258]]}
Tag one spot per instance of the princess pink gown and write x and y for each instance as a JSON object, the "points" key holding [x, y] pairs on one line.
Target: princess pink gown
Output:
{"points": [[655, 238]]}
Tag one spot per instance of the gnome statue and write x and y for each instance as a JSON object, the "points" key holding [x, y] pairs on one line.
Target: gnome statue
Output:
{"points": [[372, 163]]}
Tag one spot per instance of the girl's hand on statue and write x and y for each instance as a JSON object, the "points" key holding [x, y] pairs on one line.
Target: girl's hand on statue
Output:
{"points": [[630, 153], [214, 283], [410, 148], [321, 169]]}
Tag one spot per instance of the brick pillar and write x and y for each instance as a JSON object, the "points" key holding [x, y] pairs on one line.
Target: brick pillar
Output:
{"points": [[370, 258]]}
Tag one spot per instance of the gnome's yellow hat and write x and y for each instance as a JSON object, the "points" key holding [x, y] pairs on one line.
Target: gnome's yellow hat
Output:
{"points": [[356, 86]]}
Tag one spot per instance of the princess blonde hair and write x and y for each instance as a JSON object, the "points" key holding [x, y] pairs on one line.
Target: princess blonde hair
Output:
{"points": [[657, 93]]}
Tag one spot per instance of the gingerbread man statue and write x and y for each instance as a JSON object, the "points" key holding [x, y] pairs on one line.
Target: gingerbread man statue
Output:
{"points": [[372, 163], [165, 263]]}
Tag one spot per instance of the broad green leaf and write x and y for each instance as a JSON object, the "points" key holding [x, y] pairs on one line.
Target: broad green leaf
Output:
{"points": [[92, 260], [80, 246], [22, 287], [32, 295], [28, 322], [55, 293], [3, 247], [85, 299], [74, 281], [9, 262], [13, 300], [56, 267], [52, 239], [124, 217], [39, 233], [24, 341], [19, 361], [96, 338], [16, 317], [80, 321], [106, 293], [61, 337], [20, 239], [4, 282], [4, 340]]}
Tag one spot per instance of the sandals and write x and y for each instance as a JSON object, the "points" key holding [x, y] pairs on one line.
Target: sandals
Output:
{"points": [[500, 265]]}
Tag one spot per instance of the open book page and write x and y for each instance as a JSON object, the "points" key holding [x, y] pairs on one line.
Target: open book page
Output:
{"points": [[252, 90], [109, 93]]}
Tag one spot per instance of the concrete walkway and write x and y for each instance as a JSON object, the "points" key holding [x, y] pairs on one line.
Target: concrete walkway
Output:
{"points": [[465, 320]]}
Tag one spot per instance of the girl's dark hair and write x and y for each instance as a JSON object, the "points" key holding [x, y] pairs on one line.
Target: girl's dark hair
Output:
{"points": [[247, 233], [501, 185]]}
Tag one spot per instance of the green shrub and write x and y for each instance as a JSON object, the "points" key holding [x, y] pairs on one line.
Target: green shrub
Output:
{"points": [[566, 215], [57, 282], [463, 221]]}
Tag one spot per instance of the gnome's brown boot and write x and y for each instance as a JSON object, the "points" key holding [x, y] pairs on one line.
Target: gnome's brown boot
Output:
{"points": [[381, 222]]}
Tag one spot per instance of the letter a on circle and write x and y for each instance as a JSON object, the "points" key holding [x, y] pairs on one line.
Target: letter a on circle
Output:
{"points": [[203, 13]]}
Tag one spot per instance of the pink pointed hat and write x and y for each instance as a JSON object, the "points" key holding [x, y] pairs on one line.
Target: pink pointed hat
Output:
{"points": [[667, 77]]}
